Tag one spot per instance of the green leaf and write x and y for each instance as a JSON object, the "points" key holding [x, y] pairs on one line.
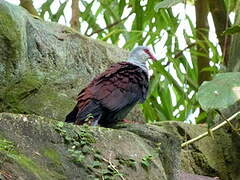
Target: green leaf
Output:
{"points": [[232, 30], [139, 15], [166, 4], [201, 118], [46, 8], [59, 12], [146, 161], [221, 92], [121, 7], [97, 164], [60, 124]]}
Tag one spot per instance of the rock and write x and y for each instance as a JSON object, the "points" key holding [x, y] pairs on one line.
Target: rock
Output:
{"points": [[44, 65], [167, 145], [187, 176], [34, 147], [218, 157]]}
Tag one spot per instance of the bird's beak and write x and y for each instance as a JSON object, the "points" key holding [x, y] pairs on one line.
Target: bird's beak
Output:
{"points": [[152, 57]]}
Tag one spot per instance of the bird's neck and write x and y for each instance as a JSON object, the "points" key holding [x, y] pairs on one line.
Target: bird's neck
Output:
{"points": [[138, 63]]}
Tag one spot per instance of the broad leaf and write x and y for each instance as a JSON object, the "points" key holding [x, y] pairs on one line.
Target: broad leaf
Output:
{"points": [[221, 92]]}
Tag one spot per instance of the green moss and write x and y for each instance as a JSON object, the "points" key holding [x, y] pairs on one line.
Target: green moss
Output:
{"points": [[18, 90], [53, 155], [9, 27], [32, 95], [8, 150], [31, 166], [5, 145]]}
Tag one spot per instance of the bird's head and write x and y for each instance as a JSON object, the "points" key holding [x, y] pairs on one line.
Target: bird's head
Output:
{"points": [[140, 55]]}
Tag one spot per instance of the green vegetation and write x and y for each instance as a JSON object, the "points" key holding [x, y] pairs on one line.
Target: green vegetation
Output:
{"points": [[78, 139], [8, 152], [52, 155], [80, 142], [6, 145], [19, 89], [146, 161], [127, 162]]}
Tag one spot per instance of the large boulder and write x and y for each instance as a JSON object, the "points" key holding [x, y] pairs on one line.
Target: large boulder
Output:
{"points": [[216, 156], [44, 65], [34, 147]]}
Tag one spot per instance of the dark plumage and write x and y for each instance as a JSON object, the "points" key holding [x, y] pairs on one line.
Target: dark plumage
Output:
{"points": [[112, 94]]}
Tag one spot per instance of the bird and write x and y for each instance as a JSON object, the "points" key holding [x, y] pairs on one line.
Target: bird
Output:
{"points": [[110, 96]]}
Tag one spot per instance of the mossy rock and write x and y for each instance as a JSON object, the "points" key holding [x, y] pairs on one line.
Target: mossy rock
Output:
{"points": [[44, 65], [216, 157], [34, 147]]}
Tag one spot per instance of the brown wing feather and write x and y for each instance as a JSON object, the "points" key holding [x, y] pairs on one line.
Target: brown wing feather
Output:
{"points": [[121, 85]]}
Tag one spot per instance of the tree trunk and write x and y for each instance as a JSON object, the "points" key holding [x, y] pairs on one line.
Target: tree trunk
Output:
{"points": [[234, 57], [28, 5], [202, 33], [221, 22], [75, 15]]}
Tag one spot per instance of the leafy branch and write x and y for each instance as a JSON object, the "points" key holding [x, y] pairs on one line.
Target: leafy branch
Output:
{"points": [[111, 25]]}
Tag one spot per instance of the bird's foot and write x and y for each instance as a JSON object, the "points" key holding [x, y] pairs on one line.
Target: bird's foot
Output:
{"points": [[127, 121], [131, 122]]}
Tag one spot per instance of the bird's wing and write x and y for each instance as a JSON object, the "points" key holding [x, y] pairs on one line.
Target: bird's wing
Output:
{"points": [[121, 85]]}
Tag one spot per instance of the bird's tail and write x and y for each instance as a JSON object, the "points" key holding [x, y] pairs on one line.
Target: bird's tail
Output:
{"points": [[72, 116]]}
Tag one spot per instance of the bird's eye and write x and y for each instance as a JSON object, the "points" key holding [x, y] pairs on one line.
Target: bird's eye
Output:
{"points": [[146, 51]]}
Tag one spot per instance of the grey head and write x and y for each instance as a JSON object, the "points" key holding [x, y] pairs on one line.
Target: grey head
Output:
{"points": [[140, 55]]}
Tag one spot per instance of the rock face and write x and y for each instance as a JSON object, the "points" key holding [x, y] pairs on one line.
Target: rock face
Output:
{"points": [[43, 66], [33, 147], [218, 157]]}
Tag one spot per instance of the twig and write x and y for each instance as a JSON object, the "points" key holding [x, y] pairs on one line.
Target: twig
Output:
{"points": [[110, 25], [75, 24], [112, 166], [28, 5], [212, 130], [181, 52], [177, 55], [225, 119]]}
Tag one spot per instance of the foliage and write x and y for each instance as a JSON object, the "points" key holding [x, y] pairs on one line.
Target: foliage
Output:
{"points": [[80, 141], [83, 152], [166, 4], [6, 145], [175, 80], [127, 162], [232, 30], [146, 161], [221, 92]]}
